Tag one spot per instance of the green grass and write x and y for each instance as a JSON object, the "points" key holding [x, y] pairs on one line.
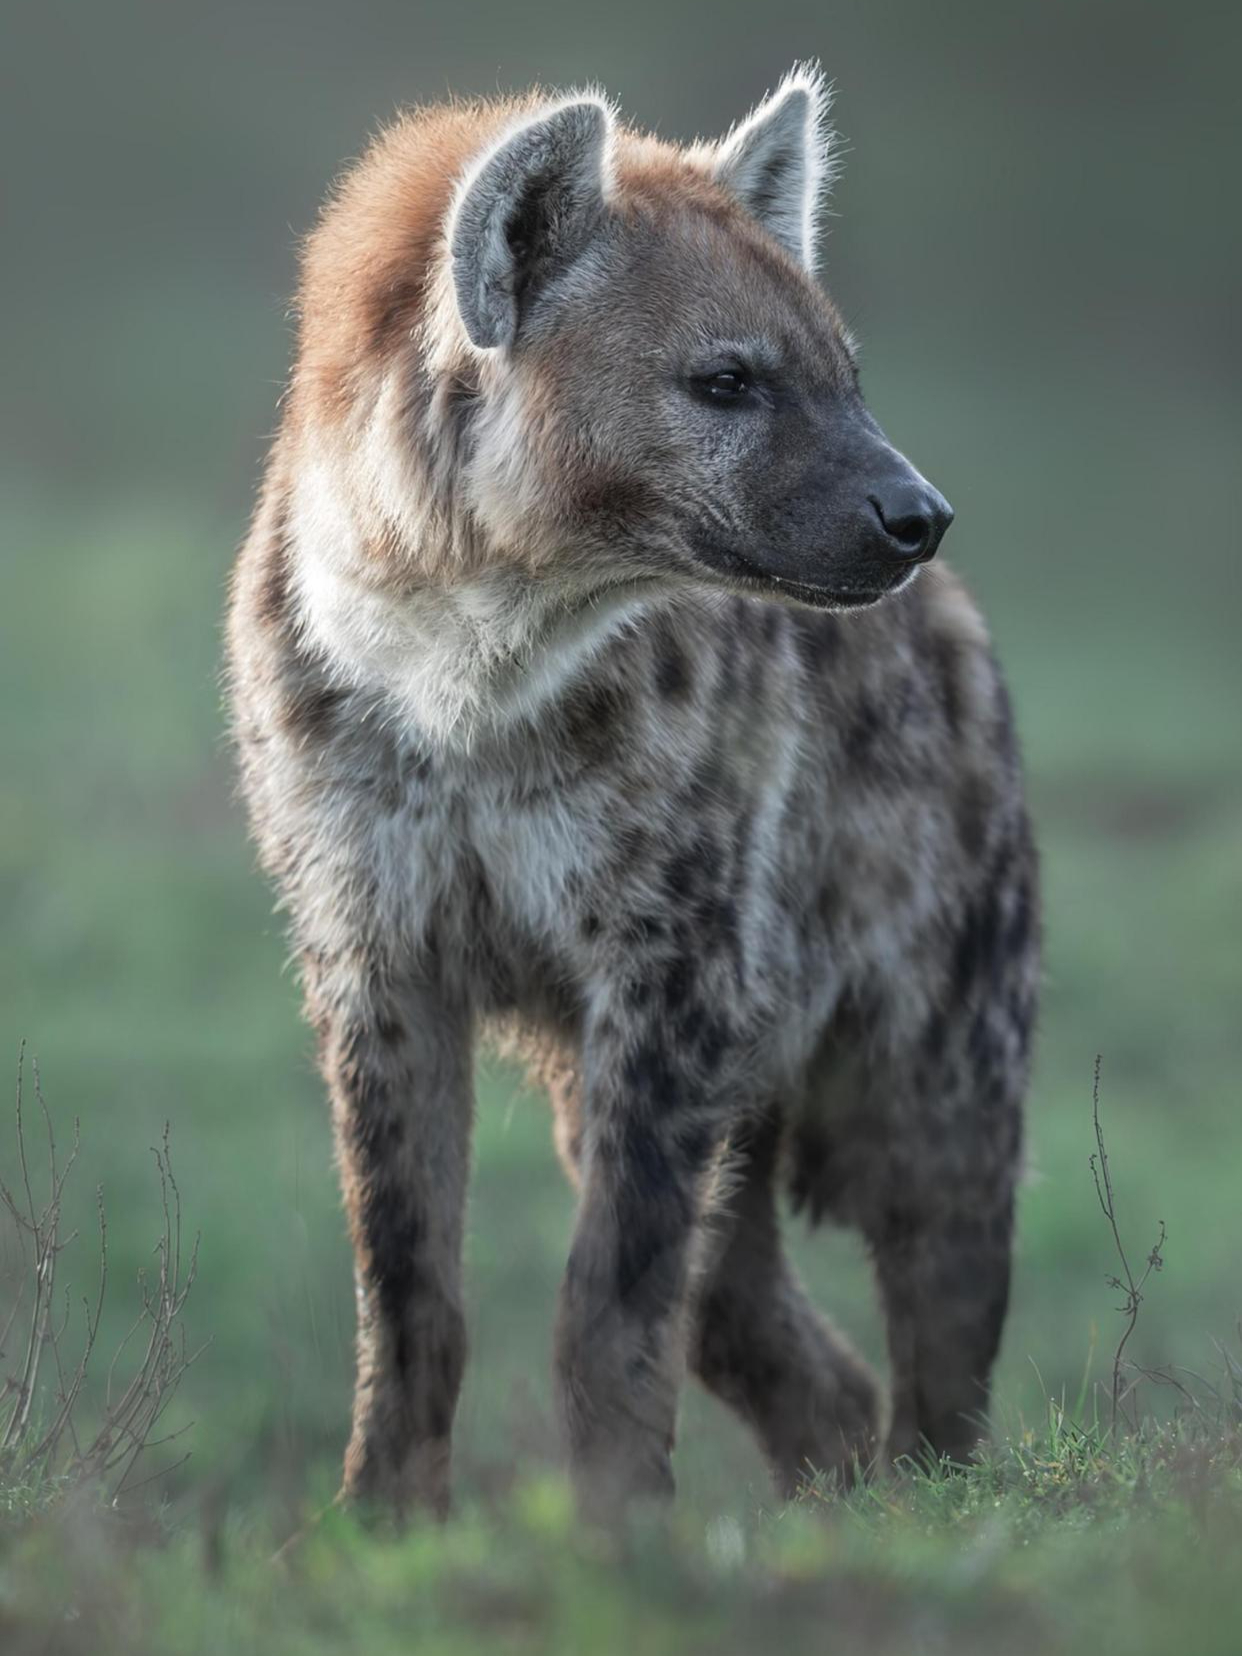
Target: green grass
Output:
{"points": [[1061, 1541]]}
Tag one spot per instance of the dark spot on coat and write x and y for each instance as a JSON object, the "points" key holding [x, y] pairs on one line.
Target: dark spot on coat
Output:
{"points": [[375, 1126], [828, 904], [592, 721], [1018, 931], [651, 1079], [714, 932], [935, 1038], [865, 737], [984, 1055], [695, 1141], [391, 1237], [975, 956], [390, 1030], [374, 1132], [645, 928], [672, 668], [711, 1043], [275, 595], [693, 870], [682, 873], [816, 639], [1006, 737], [310, 711], [945, 666], [972, 815], [637, 993], [653, 1213], [633, 846], [729, 652], [676, 982], [416, 767]]}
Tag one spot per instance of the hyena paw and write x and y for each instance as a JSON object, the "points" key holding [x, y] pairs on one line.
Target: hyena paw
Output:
{"points": [[386, 1487], [609, 1484]]}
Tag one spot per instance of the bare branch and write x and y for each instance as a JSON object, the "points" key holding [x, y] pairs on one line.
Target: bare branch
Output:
{"points": [[126, 1430], [1130, 1287]]}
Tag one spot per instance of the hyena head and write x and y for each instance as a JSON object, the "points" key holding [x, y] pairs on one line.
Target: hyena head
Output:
{"points": [[535, 343], [667, 393]]}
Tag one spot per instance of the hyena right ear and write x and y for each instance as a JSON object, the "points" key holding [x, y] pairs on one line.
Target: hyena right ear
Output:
{"points": [[780, 161], [524, 215]]}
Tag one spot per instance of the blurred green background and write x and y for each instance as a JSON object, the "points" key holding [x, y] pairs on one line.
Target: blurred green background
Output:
{"points": [[1038, 243]]}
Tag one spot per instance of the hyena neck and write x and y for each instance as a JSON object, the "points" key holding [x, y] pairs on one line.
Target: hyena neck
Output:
{"points": [[456, 661]]}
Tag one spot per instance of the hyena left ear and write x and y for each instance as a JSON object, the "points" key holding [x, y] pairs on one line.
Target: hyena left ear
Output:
{"points": [[525, 213], [779, 161]]}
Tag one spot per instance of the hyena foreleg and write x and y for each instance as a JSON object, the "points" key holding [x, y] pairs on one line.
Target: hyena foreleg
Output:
{"points": [[650, 1136], [396, 1056]]}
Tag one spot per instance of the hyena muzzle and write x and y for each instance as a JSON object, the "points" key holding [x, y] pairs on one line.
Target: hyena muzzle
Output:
{"points": [[591, 684]]}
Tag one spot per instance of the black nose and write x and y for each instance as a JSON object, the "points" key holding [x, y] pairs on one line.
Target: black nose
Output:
{"points": [[913, 516]]}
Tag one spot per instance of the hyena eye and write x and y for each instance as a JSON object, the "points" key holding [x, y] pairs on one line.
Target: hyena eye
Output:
{"points": [[726, 385]]}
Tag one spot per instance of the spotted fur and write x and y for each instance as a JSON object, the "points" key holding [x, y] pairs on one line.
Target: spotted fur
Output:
{"points": [[567, 713]]}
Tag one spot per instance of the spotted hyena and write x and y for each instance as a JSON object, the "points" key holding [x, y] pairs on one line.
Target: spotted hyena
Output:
{"points": [[591, 684]]}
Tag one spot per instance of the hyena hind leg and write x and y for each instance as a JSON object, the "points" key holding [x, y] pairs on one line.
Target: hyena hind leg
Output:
{"points": [[761, 1347], [397, 1062], [945, 1286]]}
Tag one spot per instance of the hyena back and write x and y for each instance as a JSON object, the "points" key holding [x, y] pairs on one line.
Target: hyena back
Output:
{"points": [[584, 688]]}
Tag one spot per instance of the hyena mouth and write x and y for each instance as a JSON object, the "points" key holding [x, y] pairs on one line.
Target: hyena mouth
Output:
{"points": [[861, 597], [844, 592]]}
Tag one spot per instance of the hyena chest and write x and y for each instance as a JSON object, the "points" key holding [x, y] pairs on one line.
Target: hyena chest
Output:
{"points": [[528, 889], [495, 879]]}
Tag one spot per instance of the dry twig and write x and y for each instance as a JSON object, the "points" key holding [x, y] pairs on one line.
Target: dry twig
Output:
{"points": [[1130, 1286], [40, 1426]]}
